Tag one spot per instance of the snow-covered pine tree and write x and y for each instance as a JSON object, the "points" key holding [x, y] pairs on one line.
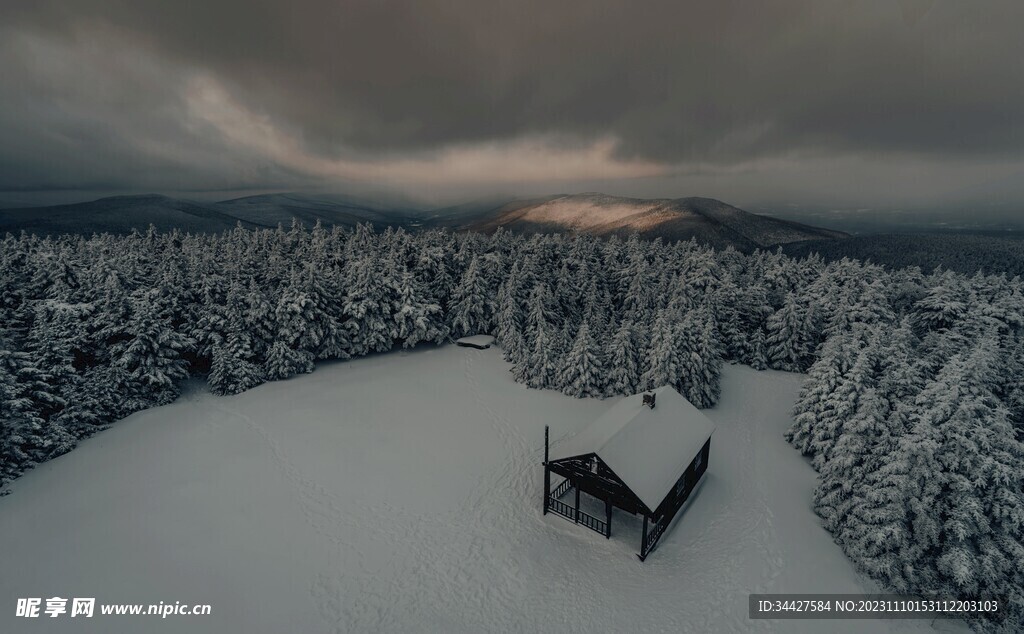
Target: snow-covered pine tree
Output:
{"points": [[873, 305], [57, 340], [725, 302], [107, 325], [788, 339], [540, 340], [93, 401], [752, 313], [433, 268], [283, 361], [583, 372], [1013, 384], [700, 360], [543, 370], [324, 289], [510, 310], [258, 319], [470, 302], [518, 354], [663, 355], [511, 318], [368, 307], [871, 433], [568, 298], [561, 343], [816, 399], [539, 310], [946, 511], [315, 315], [623, 361], [220, 304], [416, 318], [758, 358], [853, 459], [27, 437], [153, 357], [842, 404], [637, 301], [901, 377], [594, 310], [943, 305], [232, 369]]}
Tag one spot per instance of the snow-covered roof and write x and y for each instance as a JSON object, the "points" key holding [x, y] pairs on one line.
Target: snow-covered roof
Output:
{"points": [[476, 341], [648, 448]]}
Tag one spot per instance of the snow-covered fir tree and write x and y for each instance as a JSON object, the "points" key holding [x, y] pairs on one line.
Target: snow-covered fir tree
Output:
{"points": [[788, 345], [153, 356], [758, 357], [284, 361], [28, 438], [416, 318], [842, 404], [233, 369], [471, 302], [663, 355], [510, 308], [368, 307], [623, 361], [700, 360], [583, 371], [541, 341], [949, 498], [942, 306]]}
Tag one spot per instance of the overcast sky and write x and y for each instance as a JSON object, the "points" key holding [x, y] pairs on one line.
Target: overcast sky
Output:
{"points": [[829, 102]]}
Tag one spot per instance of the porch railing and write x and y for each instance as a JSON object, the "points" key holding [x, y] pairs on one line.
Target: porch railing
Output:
{"points": [[591, 522], [652, 536], [570, 513], [561, 489], [561, 508]]}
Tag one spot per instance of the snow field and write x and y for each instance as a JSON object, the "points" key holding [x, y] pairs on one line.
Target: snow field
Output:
{"points": [[402, 493]]}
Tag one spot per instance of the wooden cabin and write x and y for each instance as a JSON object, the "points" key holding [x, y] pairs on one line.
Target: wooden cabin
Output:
{"points": [[644, 456]]}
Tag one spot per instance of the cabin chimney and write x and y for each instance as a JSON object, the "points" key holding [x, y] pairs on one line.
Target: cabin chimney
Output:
{"points": [[649, 400]]}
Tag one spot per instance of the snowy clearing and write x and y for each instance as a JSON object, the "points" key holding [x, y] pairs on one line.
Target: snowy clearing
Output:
{"points": [[402, 492]]}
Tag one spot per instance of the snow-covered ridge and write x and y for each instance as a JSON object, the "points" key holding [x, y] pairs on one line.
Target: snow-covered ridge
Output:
{"points": [[707, 220]]}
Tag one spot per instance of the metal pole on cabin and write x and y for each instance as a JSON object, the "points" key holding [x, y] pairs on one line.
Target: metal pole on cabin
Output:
{"points": [[547, 472], [608, 519]]}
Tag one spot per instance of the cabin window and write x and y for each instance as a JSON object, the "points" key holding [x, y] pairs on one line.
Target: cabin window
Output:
{"points": [[593, 465], [698, 460]]}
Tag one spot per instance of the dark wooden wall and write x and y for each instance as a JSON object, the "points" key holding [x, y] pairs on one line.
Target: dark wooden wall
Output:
{"points": [[681, 491]]}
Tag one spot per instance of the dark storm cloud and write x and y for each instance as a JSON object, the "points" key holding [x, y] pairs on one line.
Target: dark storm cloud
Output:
{"points": [[317, 89]]}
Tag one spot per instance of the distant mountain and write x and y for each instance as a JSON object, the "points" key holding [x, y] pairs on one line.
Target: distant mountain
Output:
{"points": [[119, 215], [707, 220], [466, 214], [122, 214], [965, 253], [273, 209]]}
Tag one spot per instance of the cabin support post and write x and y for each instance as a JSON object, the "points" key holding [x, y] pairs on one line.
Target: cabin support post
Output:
{"points": [[608, 519], [643, 541], [547, 472], [577, 502]]}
